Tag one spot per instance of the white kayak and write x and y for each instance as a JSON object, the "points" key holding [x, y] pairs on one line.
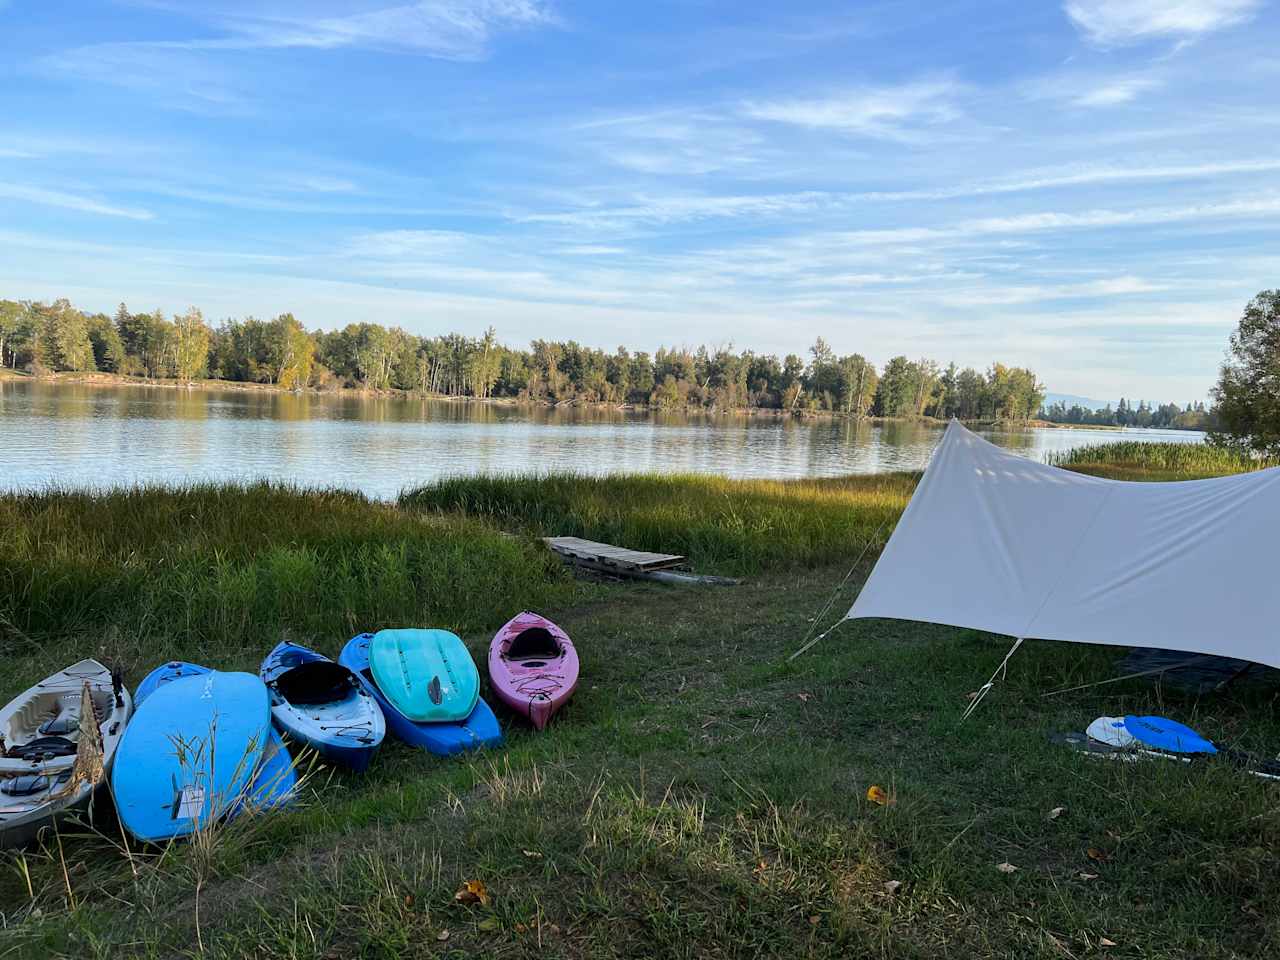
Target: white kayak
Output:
{"points": [[57, 741]]}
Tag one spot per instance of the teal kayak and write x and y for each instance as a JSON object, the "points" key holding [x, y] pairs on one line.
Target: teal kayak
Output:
{"points": [[428, 675]]}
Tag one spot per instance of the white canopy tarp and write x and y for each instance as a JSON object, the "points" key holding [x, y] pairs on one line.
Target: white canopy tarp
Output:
{"points": [[996, 542]]}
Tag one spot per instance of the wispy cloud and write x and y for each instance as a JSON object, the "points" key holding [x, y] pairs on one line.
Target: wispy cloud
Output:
{"points": [[673, 142], [684, 208], [1113, 23], [69, 201], [1119, 90], [450, 29], [168, 73], [904, 112]]}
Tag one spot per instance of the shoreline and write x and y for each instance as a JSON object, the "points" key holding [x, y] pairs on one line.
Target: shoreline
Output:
{"points": [[121, 380]]}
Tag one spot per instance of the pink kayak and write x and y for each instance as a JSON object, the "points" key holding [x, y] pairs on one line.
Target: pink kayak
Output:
{"points": [[533, 667]]}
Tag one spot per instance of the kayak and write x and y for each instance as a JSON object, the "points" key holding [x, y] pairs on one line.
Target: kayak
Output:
{"points": [[533, 667], [427, 674], [190, 753], [479, 729], [275, 779], [58, 740], [322, 704]]}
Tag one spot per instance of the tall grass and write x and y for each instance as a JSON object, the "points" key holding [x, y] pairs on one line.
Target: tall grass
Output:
{"points": [[1135, 460], [219, 573], [731, 526]]}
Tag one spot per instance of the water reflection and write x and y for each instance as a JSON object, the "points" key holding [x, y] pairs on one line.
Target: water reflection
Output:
{"points": [[84, 435]]}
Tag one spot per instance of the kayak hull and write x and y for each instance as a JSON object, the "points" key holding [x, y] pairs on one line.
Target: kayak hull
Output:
{"points": [[477, 731], [533, 667]]}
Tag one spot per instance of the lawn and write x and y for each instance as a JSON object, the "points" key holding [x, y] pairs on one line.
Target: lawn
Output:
{"points": [[700, 797]]}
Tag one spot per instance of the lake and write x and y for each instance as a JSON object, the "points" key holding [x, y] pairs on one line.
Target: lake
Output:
{"points": [[80, 435]]}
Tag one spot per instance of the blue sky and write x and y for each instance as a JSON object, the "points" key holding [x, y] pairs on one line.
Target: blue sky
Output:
{"points": [[1089, 188]]}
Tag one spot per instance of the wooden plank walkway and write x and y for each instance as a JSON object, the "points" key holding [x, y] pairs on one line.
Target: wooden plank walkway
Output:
{"points": [[606, 556]]}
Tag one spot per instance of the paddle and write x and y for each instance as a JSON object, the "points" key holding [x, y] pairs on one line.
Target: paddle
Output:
{"points": [[1169, 738], [1111, 732]]}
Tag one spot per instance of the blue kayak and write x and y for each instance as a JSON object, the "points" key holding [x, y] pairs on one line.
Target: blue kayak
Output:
{"points": [[479, 729], [324, 705], [190, 754], [276, 777]]}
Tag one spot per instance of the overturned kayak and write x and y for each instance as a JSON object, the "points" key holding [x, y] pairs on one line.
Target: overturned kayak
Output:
{"points": [[58, 740], [479, 729], [190, 754], [324, 705], [533, 667], [427, 674], [275, 780]]}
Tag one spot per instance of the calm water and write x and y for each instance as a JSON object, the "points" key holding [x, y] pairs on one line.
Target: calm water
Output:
{"points": [[84, 436]]}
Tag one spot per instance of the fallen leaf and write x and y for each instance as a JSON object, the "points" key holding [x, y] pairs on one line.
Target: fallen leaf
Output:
{"points": [[1056, 812], [442, 936], [877, 794], [1104, 942], [522, 928], [760, 869], [1101, 856], [1006, 867], [971, 695], [891, 886], [554, 929], [473, 891], [532, 854], [489, 924], [1087, 876], [815, 920]]}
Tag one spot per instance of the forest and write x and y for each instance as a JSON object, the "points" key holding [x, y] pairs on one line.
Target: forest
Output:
{"points": [[57, 337], [1165, 416]]}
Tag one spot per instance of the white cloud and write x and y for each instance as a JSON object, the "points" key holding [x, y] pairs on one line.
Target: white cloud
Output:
{"points": [[69, 201], [673, 142], [1113, 23], [1116, 91], [901, 112], [449, 29]]}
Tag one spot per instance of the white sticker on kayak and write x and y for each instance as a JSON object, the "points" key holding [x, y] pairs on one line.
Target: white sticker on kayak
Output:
{"points": [[190, 803]]}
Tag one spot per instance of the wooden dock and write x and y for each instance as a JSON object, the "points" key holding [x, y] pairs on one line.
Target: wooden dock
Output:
{"points": [[608, 556], [621, 562]]}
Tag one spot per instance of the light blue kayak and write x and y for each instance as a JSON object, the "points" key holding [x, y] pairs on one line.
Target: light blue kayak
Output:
{"points": [[323, 704], [479, 729], [275, 779], [190, 753]]}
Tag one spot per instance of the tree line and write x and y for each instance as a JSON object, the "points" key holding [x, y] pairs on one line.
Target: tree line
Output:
{"points": [[1166, 416], [57, 337]]}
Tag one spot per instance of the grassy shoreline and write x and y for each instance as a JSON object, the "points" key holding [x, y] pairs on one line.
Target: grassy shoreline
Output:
{"points": [[700, 797]]}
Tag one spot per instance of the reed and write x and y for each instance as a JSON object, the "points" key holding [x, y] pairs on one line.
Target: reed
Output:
{"points": [[721, 525], [1136, 460]]}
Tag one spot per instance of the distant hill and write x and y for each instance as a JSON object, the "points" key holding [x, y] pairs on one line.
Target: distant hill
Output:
{"points": [[1071, 400]]}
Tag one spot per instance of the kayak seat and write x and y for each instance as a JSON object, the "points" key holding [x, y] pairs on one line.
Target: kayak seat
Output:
{"points": [[534, 642], [43, 748], [29, 784], [319, 681]]}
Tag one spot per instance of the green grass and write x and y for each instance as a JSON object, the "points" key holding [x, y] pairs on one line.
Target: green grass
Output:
{"points": [[1135, 460], [143, 575], [700, 797], [731, 526]]}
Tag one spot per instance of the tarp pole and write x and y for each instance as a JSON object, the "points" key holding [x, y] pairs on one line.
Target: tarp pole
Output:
{"points": [[998, 675]]}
